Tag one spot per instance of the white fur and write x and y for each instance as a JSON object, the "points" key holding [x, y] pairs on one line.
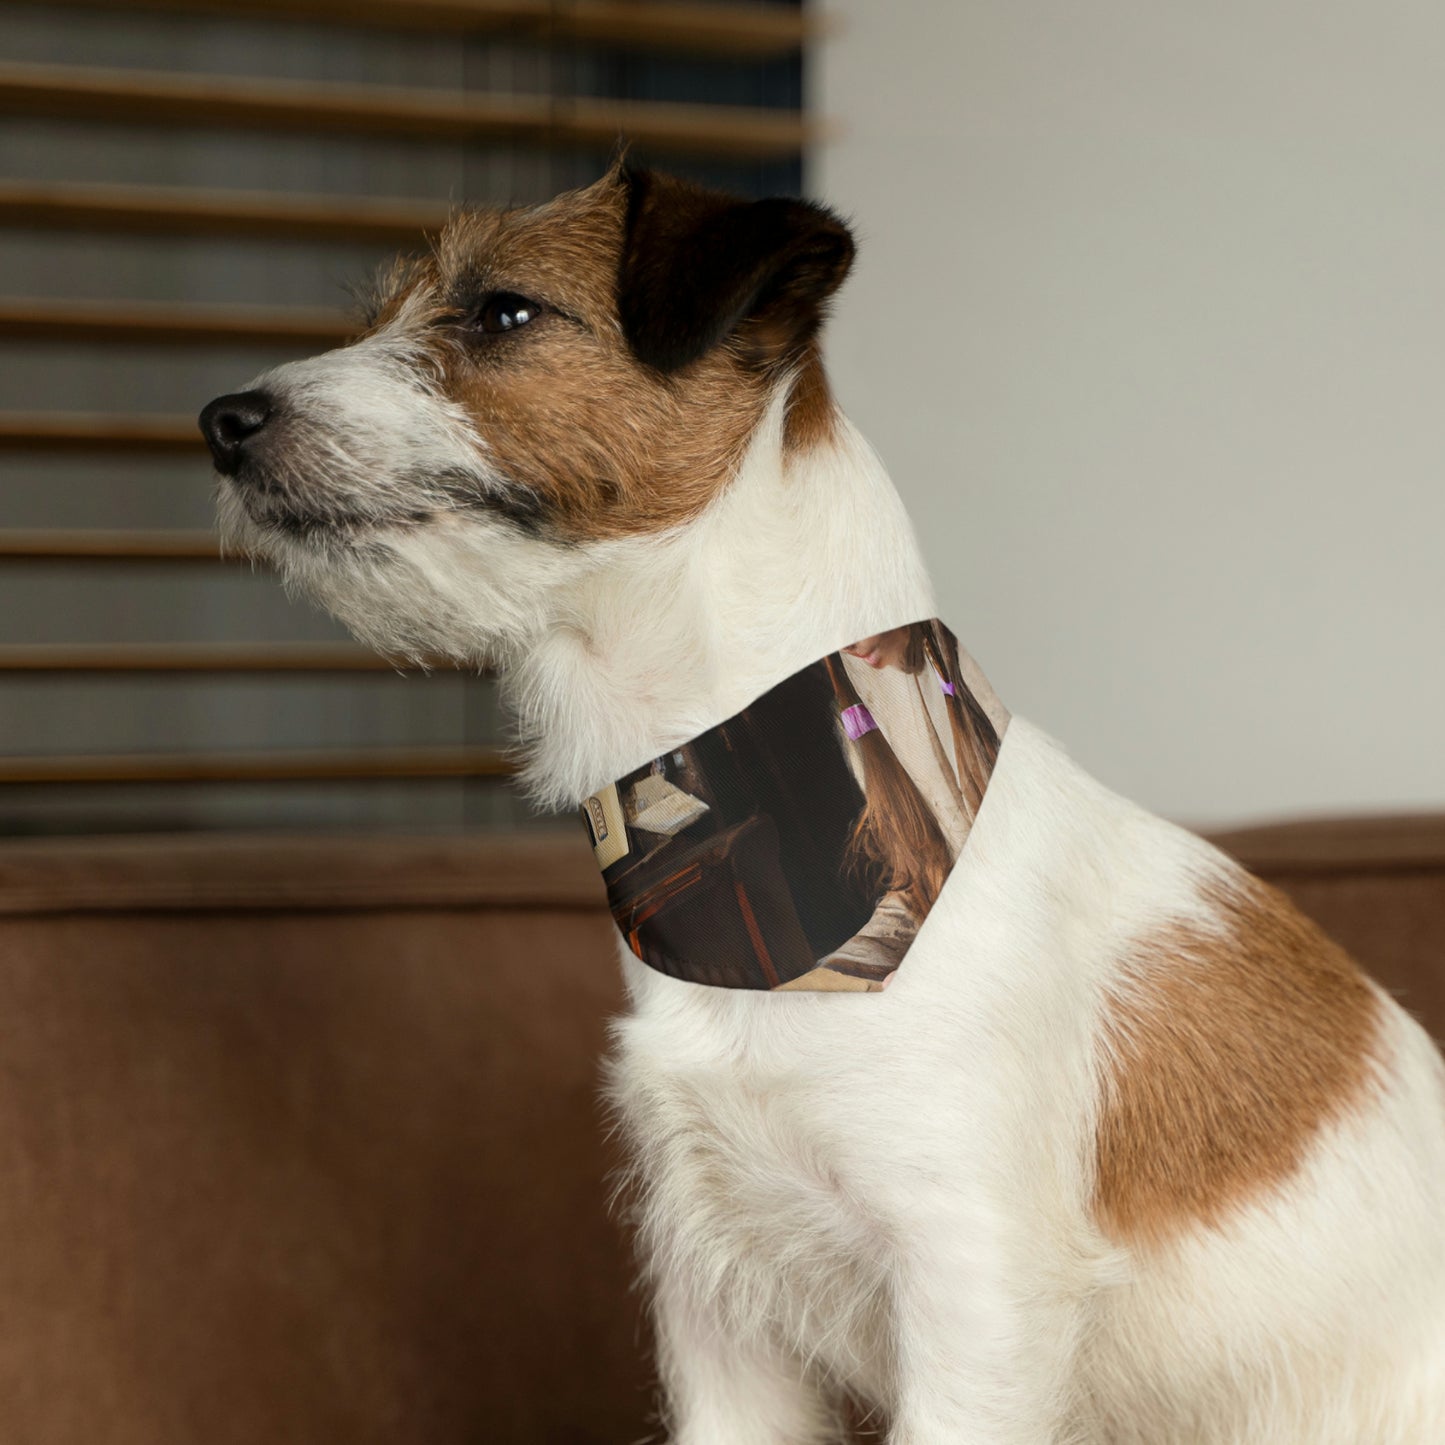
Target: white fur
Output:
{"points": [[890, 1193]]}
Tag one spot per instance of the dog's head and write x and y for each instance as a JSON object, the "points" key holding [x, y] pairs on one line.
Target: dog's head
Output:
{"points": [[546, 381]]}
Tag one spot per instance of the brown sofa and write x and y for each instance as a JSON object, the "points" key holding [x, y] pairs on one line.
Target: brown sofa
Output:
{"points": [[299, 1141]]}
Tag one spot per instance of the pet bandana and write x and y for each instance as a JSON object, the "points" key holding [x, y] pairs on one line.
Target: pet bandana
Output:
{"points": [[801, 843]]}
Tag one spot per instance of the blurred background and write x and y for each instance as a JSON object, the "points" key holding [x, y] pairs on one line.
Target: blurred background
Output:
{"points": [[1149, 325], [1146, 324], [302, 1006]]}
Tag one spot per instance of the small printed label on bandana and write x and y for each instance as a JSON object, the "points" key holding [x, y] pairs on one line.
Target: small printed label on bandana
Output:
{"points": [[801, 843]]}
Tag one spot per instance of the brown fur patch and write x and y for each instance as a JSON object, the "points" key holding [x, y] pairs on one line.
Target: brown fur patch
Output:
{"points": [[1228, 1053], [598, 443], [812, 413]]}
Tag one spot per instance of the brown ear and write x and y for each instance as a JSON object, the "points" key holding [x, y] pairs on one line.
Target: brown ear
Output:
{"points": [[699, 266]]}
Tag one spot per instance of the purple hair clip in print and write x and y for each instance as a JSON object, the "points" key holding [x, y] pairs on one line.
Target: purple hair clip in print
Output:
{"points": [[857, 720], [946, 685]]}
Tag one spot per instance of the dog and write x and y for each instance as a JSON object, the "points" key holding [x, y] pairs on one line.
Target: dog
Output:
{"points": [[1127, 1153]]}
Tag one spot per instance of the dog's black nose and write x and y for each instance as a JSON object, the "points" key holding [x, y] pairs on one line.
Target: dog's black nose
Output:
{"points": [[229, 422]]}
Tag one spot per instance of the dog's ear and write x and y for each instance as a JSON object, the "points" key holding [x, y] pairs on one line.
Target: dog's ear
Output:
{"points": [[698, 267]]}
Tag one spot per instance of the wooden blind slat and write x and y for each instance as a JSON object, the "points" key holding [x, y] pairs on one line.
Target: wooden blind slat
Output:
{"points": [[160, 98], [205, 657], [169, 323], [705, 29], [182, 657], [176, 211], [109, 546], [359, 764], [95, 431], [745, 31]]}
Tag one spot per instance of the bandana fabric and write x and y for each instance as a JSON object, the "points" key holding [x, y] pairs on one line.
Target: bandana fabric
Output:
{"points": [[801, 843]]}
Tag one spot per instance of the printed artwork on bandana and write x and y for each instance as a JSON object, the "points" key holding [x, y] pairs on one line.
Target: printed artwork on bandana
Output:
{"points": [[801, 843]]}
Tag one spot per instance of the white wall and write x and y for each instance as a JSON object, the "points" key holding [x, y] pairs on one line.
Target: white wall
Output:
{"points": [[1149, 324]]}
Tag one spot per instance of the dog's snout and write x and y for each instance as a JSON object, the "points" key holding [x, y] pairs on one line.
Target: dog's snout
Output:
{"points": [[229, 422]]}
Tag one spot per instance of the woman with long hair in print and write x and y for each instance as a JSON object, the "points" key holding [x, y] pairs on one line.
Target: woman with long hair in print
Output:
{"points": [[922, 732]]}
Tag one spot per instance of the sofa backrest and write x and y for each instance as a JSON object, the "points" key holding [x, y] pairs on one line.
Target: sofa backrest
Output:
{"points": [[299, 1142]]}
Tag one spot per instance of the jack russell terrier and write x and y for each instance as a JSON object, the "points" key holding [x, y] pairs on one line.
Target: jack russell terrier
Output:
{"points": [[1059, 1129]]}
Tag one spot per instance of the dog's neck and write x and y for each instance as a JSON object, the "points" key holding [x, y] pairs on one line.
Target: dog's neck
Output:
{"points": [[663, 637]]}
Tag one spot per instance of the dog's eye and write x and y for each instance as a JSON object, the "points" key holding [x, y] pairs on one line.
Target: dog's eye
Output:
{"points": [[506, 311]]}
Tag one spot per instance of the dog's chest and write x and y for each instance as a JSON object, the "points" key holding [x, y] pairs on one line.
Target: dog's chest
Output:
{"points": [[750, 1182]]}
